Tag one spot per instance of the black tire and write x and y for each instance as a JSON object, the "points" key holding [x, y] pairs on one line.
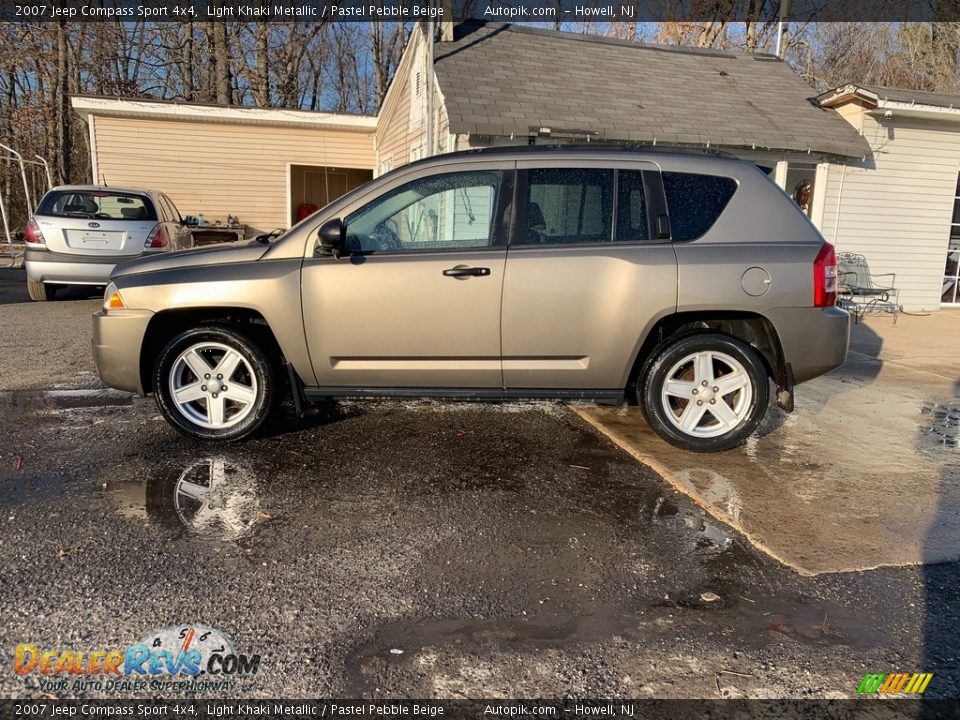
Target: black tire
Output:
{"points": [[40, 292], [264, 373], [751, 405]]}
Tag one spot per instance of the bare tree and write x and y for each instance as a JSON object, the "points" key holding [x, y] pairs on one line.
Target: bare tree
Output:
{"points": [[261, 84]]}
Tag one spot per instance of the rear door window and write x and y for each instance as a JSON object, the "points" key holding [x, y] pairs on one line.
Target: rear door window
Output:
{"points": [[632, 225], [171, 209], [570, 205], [165, 209], [695, 202], [99, 204]]}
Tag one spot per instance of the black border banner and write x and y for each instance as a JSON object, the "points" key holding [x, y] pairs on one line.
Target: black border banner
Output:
{"points": [[544, 12], [647, 709]]}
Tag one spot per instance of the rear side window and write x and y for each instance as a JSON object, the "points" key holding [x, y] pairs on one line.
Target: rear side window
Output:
{"points": [[99, 204], [695, 202]]}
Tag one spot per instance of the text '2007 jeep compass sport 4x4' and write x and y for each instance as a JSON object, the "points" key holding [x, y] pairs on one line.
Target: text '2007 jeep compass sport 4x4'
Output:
{"points": [[685, 282]]}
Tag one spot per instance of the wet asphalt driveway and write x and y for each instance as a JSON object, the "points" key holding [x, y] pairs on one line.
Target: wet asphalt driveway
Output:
{"points": [[420, 550]]}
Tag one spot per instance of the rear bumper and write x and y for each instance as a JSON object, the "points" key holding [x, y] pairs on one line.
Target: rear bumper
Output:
{"points": [[54, 267], [814, 340], [117, 339]]}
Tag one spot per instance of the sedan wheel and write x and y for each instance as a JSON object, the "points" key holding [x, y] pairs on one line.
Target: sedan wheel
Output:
{"points": [[705, 392], [213, 382]]}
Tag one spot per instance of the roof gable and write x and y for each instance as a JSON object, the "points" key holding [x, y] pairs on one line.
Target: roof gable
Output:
{"points": [[506, 80]]}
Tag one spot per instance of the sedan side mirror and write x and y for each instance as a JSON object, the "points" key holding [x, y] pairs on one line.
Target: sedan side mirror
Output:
{"points": [[331, 235]]}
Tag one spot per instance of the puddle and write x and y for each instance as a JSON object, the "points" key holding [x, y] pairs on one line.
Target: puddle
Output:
{"points": [[212, 498], [805, 619], [710, 537], [31, 400], [943, 428]]}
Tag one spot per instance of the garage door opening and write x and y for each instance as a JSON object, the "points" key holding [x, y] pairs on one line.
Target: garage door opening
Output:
{"points": [[313, 186]]}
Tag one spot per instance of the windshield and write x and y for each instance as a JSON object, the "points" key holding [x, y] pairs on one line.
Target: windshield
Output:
{"points": [[100, 204]]}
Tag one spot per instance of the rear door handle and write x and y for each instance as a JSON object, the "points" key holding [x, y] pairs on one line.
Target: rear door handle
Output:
{"points": [[464, 271]]}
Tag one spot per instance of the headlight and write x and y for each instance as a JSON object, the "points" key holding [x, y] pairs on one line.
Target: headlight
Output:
{"points": [[112, 299]]}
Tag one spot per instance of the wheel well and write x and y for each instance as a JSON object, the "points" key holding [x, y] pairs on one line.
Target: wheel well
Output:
{"points": [[755, 330], [164, 325]]}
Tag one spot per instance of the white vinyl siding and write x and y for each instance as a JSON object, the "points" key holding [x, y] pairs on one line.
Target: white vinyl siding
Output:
{"points": [[399, 126], [895, 208]]}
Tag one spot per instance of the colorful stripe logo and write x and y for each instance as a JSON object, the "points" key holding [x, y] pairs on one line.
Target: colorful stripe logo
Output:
{"points": [[894, 683]]}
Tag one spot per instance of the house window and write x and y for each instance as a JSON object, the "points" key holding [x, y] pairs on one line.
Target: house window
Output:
{"points": [[950, 294]]}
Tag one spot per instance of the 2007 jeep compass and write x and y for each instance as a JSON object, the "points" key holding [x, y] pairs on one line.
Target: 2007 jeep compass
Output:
{"points": [[684, 282]]}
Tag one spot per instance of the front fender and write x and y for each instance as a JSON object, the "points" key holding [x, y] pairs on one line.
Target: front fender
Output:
{"points": [[270, 288]]}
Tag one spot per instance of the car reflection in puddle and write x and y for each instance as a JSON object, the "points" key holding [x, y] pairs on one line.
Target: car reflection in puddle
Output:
{"points": [[212, 498]]}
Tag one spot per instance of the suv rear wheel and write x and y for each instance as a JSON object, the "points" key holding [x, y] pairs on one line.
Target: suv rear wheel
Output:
{"points": [[214, 383], [705, 392], [40, 292]]}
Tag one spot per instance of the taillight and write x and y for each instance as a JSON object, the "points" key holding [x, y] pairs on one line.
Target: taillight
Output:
{"points": [[157, 239], [825, 277], [32, 233]]}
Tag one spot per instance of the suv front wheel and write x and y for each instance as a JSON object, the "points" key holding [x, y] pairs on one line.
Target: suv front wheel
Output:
{"points": [[704, 392], [214, 383]]}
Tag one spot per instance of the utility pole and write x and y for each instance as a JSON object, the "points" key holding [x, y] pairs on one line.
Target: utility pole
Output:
{"points": [[781, 27]]}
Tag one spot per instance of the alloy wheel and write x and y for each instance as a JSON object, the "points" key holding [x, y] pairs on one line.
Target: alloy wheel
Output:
{"points": [[213, 385], [707, 394]]}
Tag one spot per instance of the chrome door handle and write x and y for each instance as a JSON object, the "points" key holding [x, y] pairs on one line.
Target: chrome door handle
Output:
{"points": [[463, 271]]}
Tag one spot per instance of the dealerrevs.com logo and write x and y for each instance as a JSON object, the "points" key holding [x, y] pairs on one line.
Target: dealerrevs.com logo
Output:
{"points": [[188, 657]]}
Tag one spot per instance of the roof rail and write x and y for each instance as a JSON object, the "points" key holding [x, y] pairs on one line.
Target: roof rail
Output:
{"points": [[513, 150]]}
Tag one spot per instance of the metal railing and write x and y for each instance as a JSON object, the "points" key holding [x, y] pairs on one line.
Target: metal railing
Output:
{"points": [[28, 197]]}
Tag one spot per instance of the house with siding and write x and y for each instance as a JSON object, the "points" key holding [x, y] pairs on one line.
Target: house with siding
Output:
{"points": [[900, 205], [258, 164]]}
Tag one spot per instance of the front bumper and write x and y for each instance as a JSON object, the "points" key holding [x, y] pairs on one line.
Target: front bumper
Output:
{"points": [[117, 340], [814, 340]]}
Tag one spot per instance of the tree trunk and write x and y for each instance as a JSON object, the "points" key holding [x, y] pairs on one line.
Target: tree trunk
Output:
{"points": [[186, 62], [379, 69], [221, 61], [261, 93], [62, 101]]}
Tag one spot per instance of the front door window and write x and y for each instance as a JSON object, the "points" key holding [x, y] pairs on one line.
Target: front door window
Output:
{"points": [[441, 212]]}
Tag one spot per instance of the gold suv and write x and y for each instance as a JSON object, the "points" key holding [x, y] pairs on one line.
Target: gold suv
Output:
{"points": [[685, 282]]}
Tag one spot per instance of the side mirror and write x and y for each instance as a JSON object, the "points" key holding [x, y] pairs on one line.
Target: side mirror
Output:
{"points": [[331, 235]]}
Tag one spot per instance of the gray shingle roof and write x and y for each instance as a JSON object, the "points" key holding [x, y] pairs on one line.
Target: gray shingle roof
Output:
{"points": [[917, 97], [500, 79]]}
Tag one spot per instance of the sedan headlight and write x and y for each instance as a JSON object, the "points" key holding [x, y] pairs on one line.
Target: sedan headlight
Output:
{"points": [[112, 299]]}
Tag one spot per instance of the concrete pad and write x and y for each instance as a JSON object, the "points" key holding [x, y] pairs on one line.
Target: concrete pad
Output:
{"points": [[864, 473]]}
